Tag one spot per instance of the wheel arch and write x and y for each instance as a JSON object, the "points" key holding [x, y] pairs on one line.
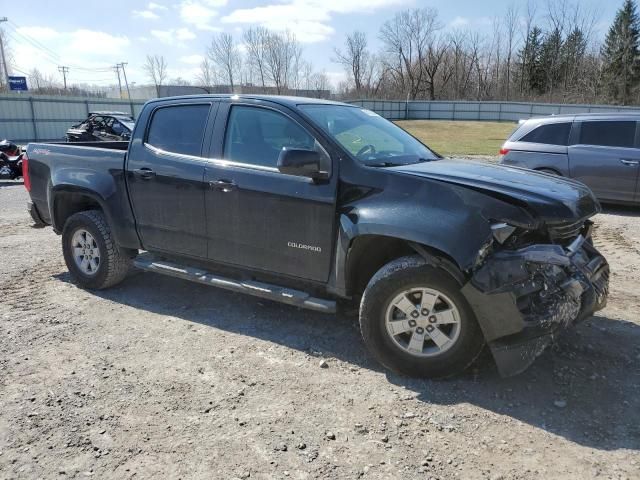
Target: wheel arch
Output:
{"points": [[368, 253], [66, 201]]}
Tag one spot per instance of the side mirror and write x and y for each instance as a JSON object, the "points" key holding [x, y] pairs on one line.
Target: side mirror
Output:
{"points": [[302, 163]]}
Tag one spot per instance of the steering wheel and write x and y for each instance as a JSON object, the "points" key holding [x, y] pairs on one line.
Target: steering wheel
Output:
{"points": [[366, 149]]}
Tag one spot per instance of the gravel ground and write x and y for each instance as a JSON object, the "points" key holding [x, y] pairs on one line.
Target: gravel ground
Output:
{"points": [[160, 378]]}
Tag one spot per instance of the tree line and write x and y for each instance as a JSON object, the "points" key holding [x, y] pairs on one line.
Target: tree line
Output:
{"points": [[531, 53]]}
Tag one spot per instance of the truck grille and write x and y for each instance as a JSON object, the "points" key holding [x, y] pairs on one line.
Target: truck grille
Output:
{"points": [[565, 231]]}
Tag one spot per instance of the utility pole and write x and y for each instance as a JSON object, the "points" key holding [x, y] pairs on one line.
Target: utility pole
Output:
{"points": [[124, 74], [64, 71], [4, 59], [116, 68]]}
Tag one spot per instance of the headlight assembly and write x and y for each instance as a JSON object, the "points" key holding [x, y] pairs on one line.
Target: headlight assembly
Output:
{"points": [[502, 231]]}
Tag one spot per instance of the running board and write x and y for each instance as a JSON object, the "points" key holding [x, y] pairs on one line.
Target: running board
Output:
{"points": [[268, 291]]}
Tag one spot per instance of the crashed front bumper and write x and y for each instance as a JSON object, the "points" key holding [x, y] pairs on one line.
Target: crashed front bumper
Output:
{"points": [[523, 298]]}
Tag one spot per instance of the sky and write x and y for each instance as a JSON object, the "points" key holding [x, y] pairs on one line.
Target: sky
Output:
{"points": [[90, 37]]}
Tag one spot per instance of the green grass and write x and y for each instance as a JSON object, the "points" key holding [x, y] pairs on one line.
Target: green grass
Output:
{"points": [[450, 138]]}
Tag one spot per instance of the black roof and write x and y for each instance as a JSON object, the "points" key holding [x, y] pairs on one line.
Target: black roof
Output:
{"points": [[289, 101]]}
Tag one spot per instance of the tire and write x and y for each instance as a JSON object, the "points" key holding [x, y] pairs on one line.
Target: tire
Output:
{"points": [[112, 262], [450, 314]]}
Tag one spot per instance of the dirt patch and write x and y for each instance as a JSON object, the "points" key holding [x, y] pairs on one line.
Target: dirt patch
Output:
{"points": [[162, 378]]}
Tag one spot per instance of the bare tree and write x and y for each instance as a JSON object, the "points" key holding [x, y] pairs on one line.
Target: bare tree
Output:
{"points": [[511, 26], [206, 77], [320, 83], [255, 41], [355, 59], [225, 55], [156, 69], [406, 38], [433, 65], [281, 52]]}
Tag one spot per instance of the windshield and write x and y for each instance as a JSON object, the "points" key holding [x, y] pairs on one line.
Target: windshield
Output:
{"points": [[367, 136]]}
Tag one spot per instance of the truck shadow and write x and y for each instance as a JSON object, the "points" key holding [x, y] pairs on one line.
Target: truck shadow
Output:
{"points": [[585, 390], [620, 210], [9, 183]]}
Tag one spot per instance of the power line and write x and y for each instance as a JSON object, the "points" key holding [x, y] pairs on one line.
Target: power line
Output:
{"points": [[50, 55]]}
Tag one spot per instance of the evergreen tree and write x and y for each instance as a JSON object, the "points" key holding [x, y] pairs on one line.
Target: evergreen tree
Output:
{"points": [[531, 73], [621, 52], [573, 53], [550, 60]]}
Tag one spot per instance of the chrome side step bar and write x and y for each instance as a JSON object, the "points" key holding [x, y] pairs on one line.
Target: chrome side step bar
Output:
{"points": [[149, 263]]}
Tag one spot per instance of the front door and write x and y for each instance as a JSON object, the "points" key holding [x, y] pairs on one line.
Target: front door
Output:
{"points": [[257, 217], [165, 177], [606, 158]]}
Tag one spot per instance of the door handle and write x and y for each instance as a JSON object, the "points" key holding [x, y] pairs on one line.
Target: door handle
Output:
{"points": [[144, 173], [629, 163], [223, 185]]}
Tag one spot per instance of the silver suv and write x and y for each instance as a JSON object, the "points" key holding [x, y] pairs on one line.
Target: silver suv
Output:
{"points": [[600, 150]]}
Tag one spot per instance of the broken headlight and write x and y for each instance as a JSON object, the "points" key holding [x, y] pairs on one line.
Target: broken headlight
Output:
{"points": [[502, 231]]}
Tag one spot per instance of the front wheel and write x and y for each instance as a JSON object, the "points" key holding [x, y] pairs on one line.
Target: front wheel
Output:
{"points": [[415, 320], [90, 252]]}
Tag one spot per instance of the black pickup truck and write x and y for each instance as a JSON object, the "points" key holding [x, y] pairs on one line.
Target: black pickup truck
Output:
{"points": [[311, 202]]}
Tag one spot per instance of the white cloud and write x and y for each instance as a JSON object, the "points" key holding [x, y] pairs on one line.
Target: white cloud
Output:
{"points": [[173, 36], [86, 40], [467, 22], [194, 59], [199, 14], [459, 22], [75, 49], [147, 14], [156, 6], [308, 19]]}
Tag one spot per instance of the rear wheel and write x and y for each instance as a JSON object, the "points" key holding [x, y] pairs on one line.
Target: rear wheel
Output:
{"points": [[92, 257], [415, 321]]}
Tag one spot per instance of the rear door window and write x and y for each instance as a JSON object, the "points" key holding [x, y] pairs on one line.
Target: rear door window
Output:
{"points": [[179, 129], [550, 134], [608, 134]]}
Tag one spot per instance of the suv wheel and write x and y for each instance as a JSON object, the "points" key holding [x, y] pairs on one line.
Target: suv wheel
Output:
{"points": [[415, 321], [91, 255]]}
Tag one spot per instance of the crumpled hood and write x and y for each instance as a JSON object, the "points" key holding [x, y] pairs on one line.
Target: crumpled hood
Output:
{"points": [[549, 197]]}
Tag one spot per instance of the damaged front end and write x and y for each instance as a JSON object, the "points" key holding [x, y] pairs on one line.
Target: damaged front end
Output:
{"points": [[528, 286]]}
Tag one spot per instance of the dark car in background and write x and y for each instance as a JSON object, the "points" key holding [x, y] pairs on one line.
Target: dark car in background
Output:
{"points": [[102, 127], [601, 150]]}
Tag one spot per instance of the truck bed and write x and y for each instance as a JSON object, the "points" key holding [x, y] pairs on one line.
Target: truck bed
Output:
{"points": [[94, 166]]}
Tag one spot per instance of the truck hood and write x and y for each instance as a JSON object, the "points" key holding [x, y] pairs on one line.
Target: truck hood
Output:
{"points": [[549, 197]]}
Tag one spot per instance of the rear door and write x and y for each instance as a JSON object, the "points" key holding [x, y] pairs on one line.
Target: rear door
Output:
{"points": [[257, 217], [606, 158], [165, 171]]}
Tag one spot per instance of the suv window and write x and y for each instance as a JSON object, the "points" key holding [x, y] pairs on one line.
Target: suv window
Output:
{"points": [[608, 134], [257, 135], [550, 133], [179, 129]]}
